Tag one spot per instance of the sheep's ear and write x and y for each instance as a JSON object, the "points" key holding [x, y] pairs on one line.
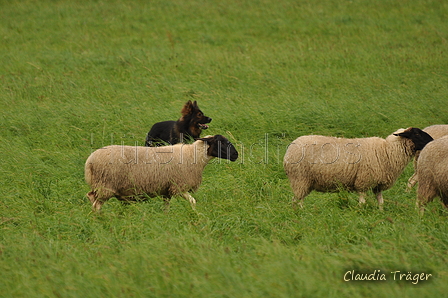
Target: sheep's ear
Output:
{"points": [[206, 139], [408, 133]]}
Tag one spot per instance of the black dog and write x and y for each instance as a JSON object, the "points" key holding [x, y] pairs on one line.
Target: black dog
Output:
{"points": [[188, 126]]}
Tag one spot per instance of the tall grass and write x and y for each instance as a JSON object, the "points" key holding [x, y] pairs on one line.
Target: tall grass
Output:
{"points": [[79, 75]]}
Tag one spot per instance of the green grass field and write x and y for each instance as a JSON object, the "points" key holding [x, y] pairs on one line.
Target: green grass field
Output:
{"points": [[79, 75]]}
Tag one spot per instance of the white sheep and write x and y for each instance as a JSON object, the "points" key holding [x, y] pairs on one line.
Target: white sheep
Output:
{"points": [[432, 170], [329, 164], [132, 172], [436, 132]]}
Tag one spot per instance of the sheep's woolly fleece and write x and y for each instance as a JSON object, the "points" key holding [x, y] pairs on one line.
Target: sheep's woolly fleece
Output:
{"points": [[436, 132], [433, 172], [126, 172], [328, 163]]}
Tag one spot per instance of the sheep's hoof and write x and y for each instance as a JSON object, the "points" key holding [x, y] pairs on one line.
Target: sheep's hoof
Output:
{"points": [[409, 187], [297, 205]]}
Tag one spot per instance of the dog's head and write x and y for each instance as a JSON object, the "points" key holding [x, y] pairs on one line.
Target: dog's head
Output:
{"points": [[194, 116]]}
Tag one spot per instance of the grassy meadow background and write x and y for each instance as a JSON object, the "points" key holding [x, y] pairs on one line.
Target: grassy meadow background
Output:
{"points": [[78, 75]]}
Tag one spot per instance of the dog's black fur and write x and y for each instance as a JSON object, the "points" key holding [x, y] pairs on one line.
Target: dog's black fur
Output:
{"points": [[189, 126]]}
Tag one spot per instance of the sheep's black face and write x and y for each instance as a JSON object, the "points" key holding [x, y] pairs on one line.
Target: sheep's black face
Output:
{"points": [[221, 147], [416, 135]]}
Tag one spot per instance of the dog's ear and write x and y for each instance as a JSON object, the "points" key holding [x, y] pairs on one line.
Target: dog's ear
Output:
{"points": [[187, 109], [195, 105]]}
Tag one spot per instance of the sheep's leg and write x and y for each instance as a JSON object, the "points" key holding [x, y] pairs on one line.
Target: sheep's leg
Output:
{"points": [[301, 189], [92, 196], [411, 182], [444, 199], [422, 200], [426, 192], [297, 201], [420, 207], [166, 201], [190, 199], [379, 197], [96, 203], [414, 178], [362, 199]]}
